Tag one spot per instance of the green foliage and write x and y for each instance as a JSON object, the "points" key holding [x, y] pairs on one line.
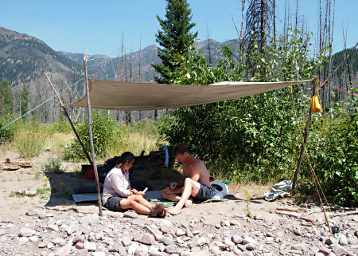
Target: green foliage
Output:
{"points": [[24, 100], [6, 100], [53, 165], [333, 153], [6, 132], [30, 140], [254, 138], [175, 38], [105, 132]]}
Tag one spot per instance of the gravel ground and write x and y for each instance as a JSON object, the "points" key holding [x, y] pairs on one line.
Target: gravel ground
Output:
{"points": [[208, 229]]}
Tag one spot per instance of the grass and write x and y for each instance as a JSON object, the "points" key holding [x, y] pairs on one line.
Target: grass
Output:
{"points": [[135, 138]]}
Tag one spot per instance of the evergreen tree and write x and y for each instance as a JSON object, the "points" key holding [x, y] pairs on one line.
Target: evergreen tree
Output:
{"points": [[24, 100], [5, 98], [175, 38]]}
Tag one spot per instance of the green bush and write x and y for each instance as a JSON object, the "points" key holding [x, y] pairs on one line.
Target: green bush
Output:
{"points": [[253, 138], [333, 153], [6, 132], [105, 132], [29, 143]]}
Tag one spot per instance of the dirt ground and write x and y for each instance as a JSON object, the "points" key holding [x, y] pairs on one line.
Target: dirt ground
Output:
{"points": [[38, 217]]}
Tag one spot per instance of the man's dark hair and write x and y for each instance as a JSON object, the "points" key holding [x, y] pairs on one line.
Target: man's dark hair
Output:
{"points": [[125, 158], [181, 149]]}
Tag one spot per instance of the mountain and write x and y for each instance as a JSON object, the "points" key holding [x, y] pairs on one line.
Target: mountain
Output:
{"points": [[24, 59]]}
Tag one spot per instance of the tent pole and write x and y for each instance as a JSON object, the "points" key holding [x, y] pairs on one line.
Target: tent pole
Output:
{"points": [[68, 118], [90, 132], [315, 84]]}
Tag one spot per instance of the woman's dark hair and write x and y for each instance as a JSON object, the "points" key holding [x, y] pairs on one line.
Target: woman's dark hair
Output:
{"points": [[126, 157], [181, 149]]}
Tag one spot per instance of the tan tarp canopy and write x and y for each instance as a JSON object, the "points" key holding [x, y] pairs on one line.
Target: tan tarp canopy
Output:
{"points": [[127, 96]]}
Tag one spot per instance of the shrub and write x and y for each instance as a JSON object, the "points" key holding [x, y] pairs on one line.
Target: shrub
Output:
{"points": [[53, 165], [105, 132], [6, 132], [333, 153], [30, 143]]}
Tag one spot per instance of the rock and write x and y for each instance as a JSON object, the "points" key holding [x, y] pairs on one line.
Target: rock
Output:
{"points": [[325, 251], [154, 251], [126, 241], [41, 245], [155, 232], [79, 245], [297, 232], [248, 240], [225, 223], [180, 232], [320, 254], [132, 248], [26, 232], [343, 240], [34, 239], [146, 239], [201, 241], [172, 249], [236, 239], [50, 245], [167, 241], [90, 246], [215, 250], [53, 227], [228, 242], [98, 254], [250, 247], [130, 214], [234, 223], [141, 251], [59, 241], [23, 240], [356, 233], [328, 241]]}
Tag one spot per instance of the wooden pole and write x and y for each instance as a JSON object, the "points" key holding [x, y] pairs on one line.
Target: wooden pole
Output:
{"points": [[315, 84], [69, 118], [90, 133]]}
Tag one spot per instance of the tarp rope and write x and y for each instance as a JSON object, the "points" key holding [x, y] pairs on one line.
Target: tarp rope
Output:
{"points": [[25, 114]]}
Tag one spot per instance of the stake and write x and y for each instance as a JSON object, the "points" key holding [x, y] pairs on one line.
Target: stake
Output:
{"points": [[90, 132], [315, 84], [69, 118]]}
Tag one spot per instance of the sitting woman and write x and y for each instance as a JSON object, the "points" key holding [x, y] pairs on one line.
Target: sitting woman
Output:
{"points": [[118, 195]]}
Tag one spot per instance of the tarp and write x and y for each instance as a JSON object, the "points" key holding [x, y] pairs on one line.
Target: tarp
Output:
{"points": [[107, 94]]}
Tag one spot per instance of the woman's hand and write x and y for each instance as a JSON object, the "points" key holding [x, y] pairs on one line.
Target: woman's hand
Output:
{"points": [[136, 192]]}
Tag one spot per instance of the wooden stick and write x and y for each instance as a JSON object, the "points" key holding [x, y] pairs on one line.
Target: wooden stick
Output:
{"points": [[69, 118], [290, 214], [345, 214], [90, 132], [305, 136]]}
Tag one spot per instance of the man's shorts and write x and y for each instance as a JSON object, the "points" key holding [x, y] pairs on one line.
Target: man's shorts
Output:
{"points": [[205, 193], [114, 203]]}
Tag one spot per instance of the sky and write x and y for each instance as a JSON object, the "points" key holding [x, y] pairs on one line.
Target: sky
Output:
{"points": [[97, 27]]}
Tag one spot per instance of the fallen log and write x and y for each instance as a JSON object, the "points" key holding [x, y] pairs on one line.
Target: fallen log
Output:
{"points": [[345, 214], [290, 214]]}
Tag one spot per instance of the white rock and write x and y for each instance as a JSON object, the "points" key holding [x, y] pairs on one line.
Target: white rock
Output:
{"points": [[26, 232], [180, 232], [90, 246], [98, 254], [23, 240], [343, 240]]}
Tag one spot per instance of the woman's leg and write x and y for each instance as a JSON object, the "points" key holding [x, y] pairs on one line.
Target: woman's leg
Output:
{"points": [[140, 199], [130, 203]]}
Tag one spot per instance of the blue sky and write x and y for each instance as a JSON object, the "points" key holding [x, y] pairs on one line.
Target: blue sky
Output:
{"points": [[97, 26]]}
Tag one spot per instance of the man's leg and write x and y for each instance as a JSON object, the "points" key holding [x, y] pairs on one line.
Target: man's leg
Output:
{"points": [[191, 188]]}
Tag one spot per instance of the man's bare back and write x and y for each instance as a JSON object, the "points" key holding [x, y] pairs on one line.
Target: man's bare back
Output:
{"points": [[197, 171]]}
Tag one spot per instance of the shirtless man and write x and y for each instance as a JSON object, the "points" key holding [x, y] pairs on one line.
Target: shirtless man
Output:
{"points": [[197, 181]]}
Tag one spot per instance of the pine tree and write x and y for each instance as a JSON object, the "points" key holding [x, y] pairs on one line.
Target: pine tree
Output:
{"points": [[175, 38], [6, 100]]}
